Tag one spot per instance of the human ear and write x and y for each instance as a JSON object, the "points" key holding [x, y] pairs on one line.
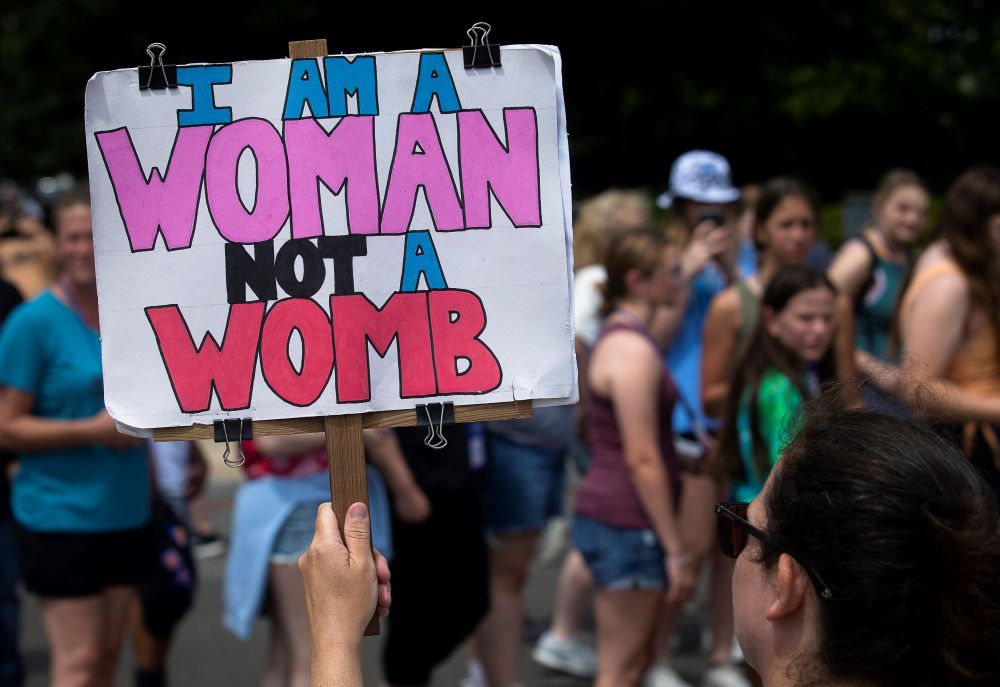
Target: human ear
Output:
{"points": [[769, 319], [633, 279], [790, 590]]}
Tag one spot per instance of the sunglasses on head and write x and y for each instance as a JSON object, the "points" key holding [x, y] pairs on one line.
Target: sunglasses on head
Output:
{"points": [[734, 530]]}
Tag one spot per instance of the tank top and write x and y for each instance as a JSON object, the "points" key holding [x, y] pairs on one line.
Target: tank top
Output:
{"points": [[876, 303], [974, 368], [607, 494]]}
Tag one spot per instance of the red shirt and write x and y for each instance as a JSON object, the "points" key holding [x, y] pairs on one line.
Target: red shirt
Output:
{"points": [[258, 465]]}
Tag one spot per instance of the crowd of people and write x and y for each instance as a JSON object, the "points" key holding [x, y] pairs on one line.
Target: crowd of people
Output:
{"points": [[815, 434]]}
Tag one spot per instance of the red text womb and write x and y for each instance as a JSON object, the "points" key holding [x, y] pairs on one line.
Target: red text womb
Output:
{"points": [[437, 345]]}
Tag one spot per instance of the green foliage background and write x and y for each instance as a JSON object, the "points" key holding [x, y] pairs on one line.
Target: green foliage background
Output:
{"points": [[836, 92]]}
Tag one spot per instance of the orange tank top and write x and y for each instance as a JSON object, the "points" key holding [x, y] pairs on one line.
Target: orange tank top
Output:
{"points": [[975, 368]]}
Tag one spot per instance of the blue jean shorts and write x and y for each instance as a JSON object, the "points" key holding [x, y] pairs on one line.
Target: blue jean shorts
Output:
{"points": [[620, 558], [524, 486], [295, 535]]}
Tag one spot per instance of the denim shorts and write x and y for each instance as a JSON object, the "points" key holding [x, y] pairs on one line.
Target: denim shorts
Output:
{"points": [[295, 535], [524, 486], [620, 558]]}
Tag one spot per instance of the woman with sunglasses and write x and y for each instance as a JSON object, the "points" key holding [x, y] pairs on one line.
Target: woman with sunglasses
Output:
{"points": [[785, 361], [871, 557], [626, 525]]}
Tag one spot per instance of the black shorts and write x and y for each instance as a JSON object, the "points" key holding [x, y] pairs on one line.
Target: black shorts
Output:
{"points": [[75, 564], [423, 629]]}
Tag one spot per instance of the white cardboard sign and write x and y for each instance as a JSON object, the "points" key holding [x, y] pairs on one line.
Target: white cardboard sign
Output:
{"points": [[293, 238]]}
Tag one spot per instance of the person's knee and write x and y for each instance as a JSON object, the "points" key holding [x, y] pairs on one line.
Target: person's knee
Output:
{"points": [[635, 669], [80, 664], [510, 561], [509, 579]]}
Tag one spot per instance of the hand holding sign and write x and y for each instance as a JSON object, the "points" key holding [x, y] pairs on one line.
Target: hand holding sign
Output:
{"points": [[344, 585]]}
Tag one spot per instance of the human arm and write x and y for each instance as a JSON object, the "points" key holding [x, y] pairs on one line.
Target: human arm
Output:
{"points": [[26, 354], [634, 374], [933, 331], [722, 325], [383, 451], [22, 432], [851, 269], [344, 586], [843, 349], [709, 241], [582, 360], [667, 320], [197, 471]]}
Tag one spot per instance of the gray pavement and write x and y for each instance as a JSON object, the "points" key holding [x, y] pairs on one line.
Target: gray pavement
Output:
{"points": [[204, 653]]}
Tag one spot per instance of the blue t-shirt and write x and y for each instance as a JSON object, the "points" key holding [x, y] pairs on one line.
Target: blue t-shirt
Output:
{"points": [[46, 350], [683, 358]]}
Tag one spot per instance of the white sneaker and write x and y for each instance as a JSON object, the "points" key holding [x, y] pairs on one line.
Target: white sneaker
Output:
{"points": [[572, 656], [662, 675], [725, 675]]}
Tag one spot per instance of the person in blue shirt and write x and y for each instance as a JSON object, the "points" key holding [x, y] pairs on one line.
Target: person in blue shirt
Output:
{"points": [[81, 495], [702, 214], [11, 665]]}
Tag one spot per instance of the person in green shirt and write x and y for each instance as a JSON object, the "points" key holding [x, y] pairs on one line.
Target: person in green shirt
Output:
{"points": [[785, 361]]}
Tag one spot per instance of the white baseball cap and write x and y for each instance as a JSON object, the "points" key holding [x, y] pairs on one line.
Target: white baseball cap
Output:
{"points": [[701, 176]]}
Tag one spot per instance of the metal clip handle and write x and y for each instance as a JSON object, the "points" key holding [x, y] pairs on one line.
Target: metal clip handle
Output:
{"points": [[435, 427], [243, 432], [479, 37]]}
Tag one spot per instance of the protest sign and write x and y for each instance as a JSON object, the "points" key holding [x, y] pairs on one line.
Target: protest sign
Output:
{"points": [[301, 238]]}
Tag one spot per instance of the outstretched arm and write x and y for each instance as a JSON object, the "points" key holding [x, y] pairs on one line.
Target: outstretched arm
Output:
{"points": [[932, 335]]}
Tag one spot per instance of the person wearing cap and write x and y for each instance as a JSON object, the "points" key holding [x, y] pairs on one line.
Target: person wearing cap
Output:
{"points": [[701, 205]]}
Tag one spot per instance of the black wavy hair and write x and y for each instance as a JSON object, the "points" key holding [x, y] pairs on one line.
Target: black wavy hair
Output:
{"points": [[905, 533]]}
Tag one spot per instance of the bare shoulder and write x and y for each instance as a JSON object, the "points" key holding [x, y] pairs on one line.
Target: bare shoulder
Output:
{"points": [[626, 342], [937, 277], [724, 311], [852, 261], [726, 302], [853, 252]]}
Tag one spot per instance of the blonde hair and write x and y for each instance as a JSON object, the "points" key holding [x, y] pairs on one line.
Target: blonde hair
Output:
{"points": [[603, 217]]}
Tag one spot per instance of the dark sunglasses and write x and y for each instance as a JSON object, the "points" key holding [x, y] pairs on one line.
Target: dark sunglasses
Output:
{"points": [[734, 530]]}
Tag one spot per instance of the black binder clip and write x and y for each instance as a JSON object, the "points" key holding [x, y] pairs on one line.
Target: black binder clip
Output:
{"points": [[479, 53], [434, 416], [157, 76], [233, 430]]}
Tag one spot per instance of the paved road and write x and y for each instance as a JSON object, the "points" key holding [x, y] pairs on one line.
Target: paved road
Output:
{"points": [[206, 654]]}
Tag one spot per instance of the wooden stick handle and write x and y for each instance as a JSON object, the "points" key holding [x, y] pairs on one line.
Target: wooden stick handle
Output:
{"points": [[345, 448]]}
